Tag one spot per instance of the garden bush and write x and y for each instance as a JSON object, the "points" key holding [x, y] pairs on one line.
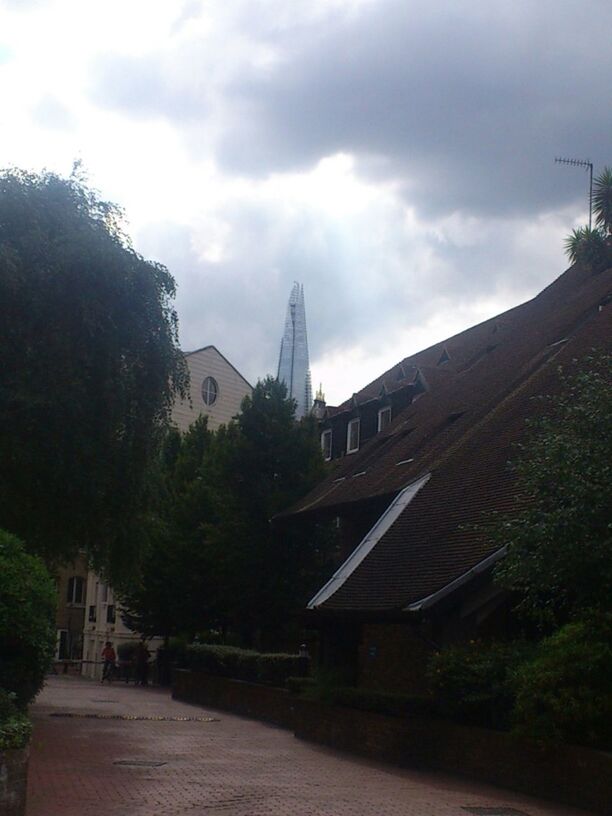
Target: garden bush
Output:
{"points": [[15, 728], [242, 664], [27, 629], [473, 682], [565, 692]]}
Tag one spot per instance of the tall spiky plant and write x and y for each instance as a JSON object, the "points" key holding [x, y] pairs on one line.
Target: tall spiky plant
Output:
{"points": [[588, 247], [602, 200]]}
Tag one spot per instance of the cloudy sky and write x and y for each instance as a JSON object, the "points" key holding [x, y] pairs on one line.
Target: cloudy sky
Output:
{"points": [[394, 156]]}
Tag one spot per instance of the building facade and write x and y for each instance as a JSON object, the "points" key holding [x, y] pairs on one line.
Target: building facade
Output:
{"points": [[293, 363], [216, 390]]}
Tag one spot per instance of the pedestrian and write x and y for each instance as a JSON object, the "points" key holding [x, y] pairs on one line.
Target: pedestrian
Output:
{"points": [[142, 664], [109, 657]]}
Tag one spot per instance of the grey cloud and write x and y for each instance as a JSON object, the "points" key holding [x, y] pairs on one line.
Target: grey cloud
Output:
{"points": [[466, 105], [359, 292], [463, 105], [49, 112]]}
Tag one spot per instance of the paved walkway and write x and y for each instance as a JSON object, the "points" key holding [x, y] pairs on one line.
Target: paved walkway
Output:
{"points": [[119, 763]]}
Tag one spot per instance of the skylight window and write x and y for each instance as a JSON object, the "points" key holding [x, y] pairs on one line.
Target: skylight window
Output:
{"points": [[444, 357]]}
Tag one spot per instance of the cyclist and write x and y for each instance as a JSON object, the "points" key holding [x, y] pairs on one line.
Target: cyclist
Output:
{"points": [[109, 657]]}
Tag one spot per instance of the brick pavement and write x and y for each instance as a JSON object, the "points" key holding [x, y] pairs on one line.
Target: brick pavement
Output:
{"points": [[228, 767]]}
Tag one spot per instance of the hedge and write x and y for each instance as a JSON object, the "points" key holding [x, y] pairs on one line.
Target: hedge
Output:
{"points": [[27, 626], [15, 728], [243, 664]]}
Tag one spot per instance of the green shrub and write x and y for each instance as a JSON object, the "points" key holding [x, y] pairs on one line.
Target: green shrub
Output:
{"points": [[15, 728], [565, 692], [126, 651], [474, 682], [27, 629], [242, 664]]}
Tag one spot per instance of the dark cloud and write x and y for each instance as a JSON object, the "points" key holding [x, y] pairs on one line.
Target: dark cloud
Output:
{"points": [[463, 105]]}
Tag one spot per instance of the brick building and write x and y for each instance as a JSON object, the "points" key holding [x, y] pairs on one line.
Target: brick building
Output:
{"points": [[415, 458]]}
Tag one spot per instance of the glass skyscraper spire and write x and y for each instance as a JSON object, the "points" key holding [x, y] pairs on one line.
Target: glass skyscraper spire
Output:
{"points": [[293, 365]]}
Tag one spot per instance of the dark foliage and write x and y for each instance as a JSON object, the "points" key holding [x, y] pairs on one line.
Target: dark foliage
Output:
{"points": [[473, 682], [27, 631], [90, 364], [242, 664]]}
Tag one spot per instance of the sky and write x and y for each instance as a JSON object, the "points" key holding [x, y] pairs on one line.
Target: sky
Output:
{"points": [[394, 156]]}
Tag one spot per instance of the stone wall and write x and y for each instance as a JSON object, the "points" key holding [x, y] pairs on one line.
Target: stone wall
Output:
{"points": [[13, 781]]}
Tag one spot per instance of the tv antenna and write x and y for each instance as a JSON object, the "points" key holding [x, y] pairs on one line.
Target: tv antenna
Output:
{"points": [[586, 164]]}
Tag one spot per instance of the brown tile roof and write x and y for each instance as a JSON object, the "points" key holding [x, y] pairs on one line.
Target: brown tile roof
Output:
{"points": [[462, 431]]}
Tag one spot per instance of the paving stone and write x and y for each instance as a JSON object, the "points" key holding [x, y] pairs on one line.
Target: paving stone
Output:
{"points": [[170, 758]]}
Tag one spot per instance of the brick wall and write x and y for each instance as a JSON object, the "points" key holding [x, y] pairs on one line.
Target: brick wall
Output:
{"points": [[13, 782], [265, 703], [392, 657], [563, 773]]}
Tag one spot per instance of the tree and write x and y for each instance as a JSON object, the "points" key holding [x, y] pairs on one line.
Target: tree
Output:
{"points": [[90, 365], [590, 246], [260, 465], [173, 591], [602, 200], [220, 562], [27, 632], [559, 558]]}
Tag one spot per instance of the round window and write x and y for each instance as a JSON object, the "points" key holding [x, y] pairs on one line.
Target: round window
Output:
{"points": [[210, 391]]}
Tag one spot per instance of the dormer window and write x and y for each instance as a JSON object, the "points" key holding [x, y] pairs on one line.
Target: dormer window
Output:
{"points": [[326, 445], [352, 436], [384, 418]]}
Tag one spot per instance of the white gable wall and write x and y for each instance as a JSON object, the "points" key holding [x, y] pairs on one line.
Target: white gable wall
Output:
{"points": [[208, 362]]}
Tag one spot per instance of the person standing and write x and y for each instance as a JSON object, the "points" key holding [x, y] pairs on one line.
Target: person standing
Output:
{"points": [[109, 657]]}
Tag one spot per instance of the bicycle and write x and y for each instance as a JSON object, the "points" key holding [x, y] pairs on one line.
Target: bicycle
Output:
{"points": [[108, 672]]}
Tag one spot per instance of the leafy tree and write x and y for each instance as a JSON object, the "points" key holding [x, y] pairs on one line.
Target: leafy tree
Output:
{"points": [[260, 465], [559, 559], [27, 631], [173, 592], [90, 365], [219, 562], [602, 200]]}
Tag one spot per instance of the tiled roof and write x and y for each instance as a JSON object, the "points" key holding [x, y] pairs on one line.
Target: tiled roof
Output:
{"points": [[462, 431]]}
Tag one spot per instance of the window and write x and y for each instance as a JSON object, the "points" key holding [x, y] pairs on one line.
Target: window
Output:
{"points": [[76, 584], [210, 391], [110, 613], [326, 445], [61, 646], [104, 593], [384, 418], [92, 614], [352, 436]]}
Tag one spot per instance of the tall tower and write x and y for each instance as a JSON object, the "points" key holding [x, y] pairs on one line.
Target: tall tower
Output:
{"points": [[293, 365]]}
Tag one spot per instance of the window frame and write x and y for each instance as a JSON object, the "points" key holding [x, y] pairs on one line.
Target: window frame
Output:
{"points": [[206, 399], [71, 595], [385, 410], [353, 423], [326, 434]]}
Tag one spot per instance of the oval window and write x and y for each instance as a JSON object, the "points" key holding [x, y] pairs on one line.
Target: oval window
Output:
{"points": [[210, 391]]}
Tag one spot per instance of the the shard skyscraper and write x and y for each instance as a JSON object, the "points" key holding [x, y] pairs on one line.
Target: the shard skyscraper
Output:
{"points": [[293, 365]]}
